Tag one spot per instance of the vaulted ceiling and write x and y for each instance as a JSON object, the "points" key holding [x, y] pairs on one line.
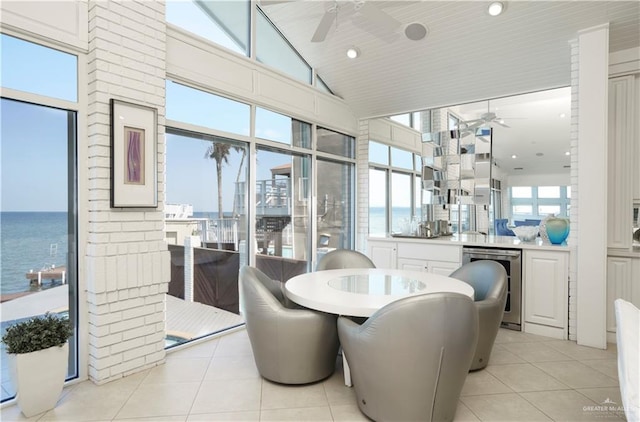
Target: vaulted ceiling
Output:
{"points": [[466, 56]]}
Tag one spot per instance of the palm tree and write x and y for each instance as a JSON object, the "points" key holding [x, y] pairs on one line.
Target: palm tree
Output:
{"points": [[219, 151]]}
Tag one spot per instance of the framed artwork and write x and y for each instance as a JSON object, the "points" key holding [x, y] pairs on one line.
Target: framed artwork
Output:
{"points": [[133, 156]]}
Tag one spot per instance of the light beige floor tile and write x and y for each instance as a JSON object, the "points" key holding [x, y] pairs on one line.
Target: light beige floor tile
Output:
{"points": [[234, 344], [482, 382], [278, 396], [583, 352], [338, 393], [501, 356], [609, 367], [159, 400], [106, 400], [13, 413], [204, 349], [299, 414], [464, 414], [231, 367], [503, 407], [178, 370], [567, 405], [347, 413], [604, 395], [525, 377], [536, 352], [609, 397], [576, 375], [177, 418], [511, 336], [251, 416], [228, 396]]}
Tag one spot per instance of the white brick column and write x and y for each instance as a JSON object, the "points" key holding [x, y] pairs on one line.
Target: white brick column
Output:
{"points": [[573, 233], [127, 259], [362, 185]]}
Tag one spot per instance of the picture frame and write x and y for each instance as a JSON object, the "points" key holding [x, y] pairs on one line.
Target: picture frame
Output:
{"points": [[134, 176]]}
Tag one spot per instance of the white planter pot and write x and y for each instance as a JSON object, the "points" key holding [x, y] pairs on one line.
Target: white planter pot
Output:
{"points": [[38, 378]]}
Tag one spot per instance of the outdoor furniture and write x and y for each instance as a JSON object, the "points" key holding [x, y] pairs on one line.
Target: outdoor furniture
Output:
{"points": [[409, 360], [489, 281], [290, 346], [344, 258]]}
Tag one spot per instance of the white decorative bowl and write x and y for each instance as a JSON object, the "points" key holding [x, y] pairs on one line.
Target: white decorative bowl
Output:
{"points": [[526, 233]]}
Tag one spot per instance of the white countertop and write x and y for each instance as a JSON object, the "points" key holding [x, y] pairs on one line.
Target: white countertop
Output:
{"points": [[480, 240]]}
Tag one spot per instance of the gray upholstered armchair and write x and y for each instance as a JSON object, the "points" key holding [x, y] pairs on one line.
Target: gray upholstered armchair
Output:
{"points": [[344, 258], [290, 346], [489, 281], [410, 359]]}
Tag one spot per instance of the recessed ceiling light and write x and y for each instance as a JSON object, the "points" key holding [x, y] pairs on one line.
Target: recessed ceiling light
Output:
{"points": [[562, 115], [567, 153], [353, 52], [514, 156], [496, 8]]}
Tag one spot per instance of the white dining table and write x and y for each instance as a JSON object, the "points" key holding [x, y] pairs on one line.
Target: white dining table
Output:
{"points": [[360, 292]]}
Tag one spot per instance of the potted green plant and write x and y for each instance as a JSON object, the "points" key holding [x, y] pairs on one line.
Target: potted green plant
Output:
{"points": [[38, 352]]}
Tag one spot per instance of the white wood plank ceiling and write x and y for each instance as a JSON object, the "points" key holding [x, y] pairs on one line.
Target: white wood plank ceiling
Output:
{"points": [[467, 55]]}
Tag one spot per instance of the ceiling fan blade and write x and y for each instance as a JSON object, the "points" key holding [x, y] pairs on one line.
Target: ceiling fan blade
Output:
{"points": [[473, 124], [378, 18], [501, 123], [272, 2], [324, 26]]}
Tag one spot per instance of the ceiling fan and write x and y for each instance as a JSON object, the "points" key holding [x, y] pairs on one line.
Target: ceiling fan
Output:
{"points": [[485, 120], [364, 14]]}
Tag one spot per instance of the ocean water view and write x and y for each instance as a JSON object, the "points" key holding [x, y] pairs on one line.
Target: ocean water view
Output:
{"points": [[377, 219], [30, 241]]}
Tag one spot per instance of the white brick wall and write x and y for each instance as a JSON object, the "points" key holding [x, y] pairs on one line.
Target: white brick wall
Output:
{"points": [[573, 233], [127, 260], [362, 172]]}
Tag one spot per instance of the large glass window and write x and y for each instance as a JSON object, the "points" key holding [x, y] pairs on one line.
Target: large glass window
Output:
{"points": [[55, 74], [378, 153], [37, 219], [206, 207], [201, 108], [401, 201], [377, 202], [335, 205], [282, 213], [224, 22], [273, 49], [280, 128], [335, 143], [536, 202], [394, 212], [38, 191]]}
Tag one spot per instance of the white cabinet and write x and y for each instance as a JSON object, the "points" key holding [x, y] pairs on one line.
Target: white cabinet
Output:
{"points": [[415, 256], [545, 291], [382, 253], [623, 281]]}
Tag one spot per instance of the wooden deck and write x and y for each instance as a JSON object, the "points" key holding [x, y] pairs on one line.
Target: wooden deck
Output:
{"points": [[191, 319], [57, 273]]}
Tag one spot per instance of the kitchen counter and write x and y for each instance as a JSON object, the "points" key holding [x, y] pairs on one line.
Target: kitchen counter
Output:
{"points": [[479, 240]]}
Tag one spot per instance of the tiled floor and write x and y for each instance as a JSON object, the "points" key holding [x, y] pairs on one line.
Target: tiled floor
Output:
{"points": [[529, 378]]}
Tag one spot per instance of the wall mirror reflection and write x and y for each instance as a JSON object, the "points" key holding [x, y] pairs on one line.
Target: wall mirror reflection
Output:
{"points": [[531, 160]]}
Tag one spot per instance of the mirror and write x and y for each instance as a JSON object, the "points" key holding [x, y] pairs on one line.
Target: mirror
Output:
{"points": [[530, 136]]}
